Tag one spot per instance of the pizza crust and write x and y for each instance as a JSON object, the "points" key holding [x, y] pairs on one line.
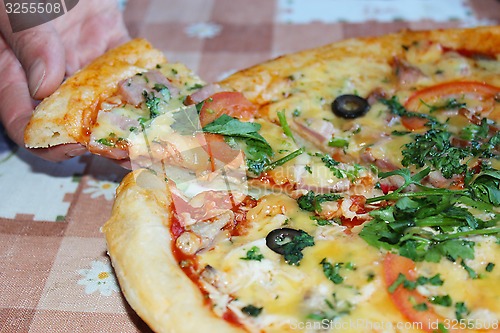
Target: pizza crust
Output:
{"points": [[66, 116], [264, 83], [139, 244]]}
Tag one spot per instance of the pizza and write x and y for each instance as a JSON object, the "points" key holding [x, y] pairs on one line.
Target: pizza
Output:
{"points": [[353, 187]]}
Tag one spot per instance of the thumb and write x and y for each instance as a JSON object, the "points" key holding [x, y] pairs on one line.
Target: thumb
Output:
{"points": [[41, 53]]}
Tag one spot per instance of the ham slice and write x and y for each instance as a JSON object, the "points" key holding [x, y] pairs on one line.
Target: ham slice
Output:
{"points": [[132, 89]]}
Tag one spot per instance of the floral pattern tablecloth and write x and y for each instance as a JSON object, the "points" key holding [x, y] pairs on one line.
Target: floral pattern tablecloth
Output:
{"points": [[55, 275]]}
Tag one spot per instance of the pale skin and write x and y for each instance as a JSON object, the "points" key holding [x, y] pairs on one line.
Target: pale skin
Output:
{"points": [[34, 62]]}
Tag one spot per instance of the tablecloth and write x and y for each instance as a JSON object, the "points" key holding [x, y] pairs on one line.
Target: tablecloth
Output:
{"points": [[55, 275]]}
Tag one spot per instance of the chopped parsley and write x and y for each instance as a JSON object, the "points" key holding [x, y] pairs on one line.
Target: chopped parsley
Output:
{"points": [[421, 307], [338, 172], [152, 103], [253, 254], [461, 310], [312, 202], [251, 310], [334, 308], [163, 90], [489, 267], [434, 148], [292, 248], [332, 271], [444, 300]]}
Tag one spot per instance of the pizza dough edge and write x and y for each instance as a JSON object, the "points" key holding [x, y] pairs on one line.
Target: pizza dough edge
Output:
{"points": [[139, 244]]}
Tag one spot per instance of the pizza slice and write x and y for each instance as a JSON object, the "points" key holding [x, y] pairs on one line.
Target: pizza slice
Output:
{"points": [[104, 102]]}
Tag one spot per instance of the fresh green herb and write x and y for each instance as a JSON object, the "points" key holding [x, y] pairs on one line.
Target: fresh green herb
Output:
{"points": [[400, 133], [293, 249], [195, 86], [489, 267], [253, 254], [251, 310], [433, 281], [296, 113], [421, 307], [106, 142], [331, 164], [284, 125], [334, 308], [332, 271], [444, 300], [402, 280], [111, 141], [430, 223], [322, 222], [308, 168], [338, 142], [284, 159], [257, 150], [312, 202], [163, 90], [472, 273], [398, 109], [434, 148], [461, 310], [152, 103], [450, 104]]}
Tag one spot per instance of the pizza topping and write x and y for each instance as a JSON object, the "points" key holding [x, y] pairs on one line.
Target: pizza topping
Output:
{"points": [[232, 104], [312, 202], [289, 243], [152, 84], [406, 73], [350, 106], [432, 223]]}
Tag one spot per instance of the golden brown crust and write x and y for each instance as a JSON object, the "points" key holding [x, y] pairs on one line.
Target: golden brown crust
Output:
{"points": [[139, 244], [261, 83], [66, 115]]}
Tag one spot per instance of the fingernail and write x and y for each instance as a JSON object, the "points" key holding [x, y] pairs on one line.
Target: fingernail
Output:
{"points": [[36, 75], [76, 152]]}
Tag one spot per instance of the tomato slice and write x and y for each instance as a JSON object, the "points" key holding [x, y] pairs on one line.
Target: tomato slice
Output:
{"points": [[405, 299], [431, 95], [233, 104], [219, 150], [437, 95]]}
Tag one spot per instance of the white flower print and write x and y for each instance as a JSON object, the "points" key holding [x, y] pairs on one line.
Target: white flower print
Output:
{"points": [[203, 30], [96, 188], [99, 278]]}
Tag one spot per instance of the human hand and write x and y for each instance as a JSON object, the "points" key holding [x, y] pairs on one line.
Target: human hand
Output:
{"points": [[34, 62]]}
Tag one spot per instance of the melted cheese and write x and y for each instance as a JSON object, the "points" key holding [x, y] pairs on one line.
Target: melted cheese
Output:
{"points": [[290, 295]]}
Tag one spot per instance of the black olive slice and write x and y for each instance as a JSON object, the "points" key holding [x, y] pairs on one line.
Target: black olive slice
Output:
{"points": [[350, 106], [278, 238]]}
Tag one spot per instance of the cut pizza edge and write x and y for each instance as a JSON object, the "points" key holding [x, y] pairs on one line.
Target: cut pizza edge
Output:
{"points": [[66, 115]]}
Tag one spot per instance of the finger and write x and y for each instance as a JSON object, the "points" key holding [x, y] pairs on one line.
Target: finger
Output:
{"points": [[89, 30], [41, 53], [16, 107]]}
